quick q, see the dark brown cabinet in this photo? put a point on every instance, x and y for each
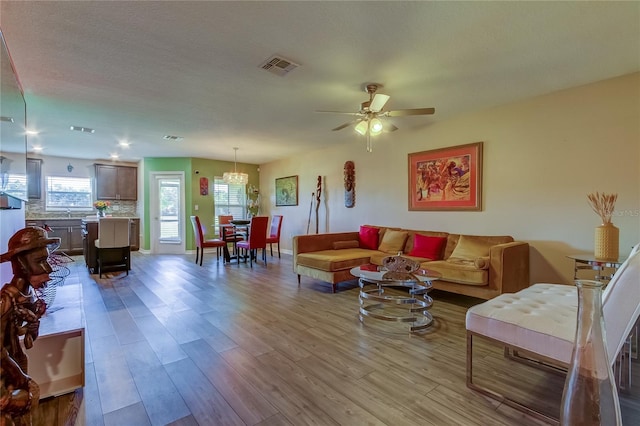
(89, 235)
(68, 230)
(34, 178)
(116, 182)
(134, 234)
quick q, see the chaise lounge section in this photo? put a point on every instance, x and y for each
(472, 265)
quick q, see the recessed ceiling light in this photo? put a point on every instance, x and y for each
(82, 129)
(38, 148)
(124, 143)
(32, 132)
(114, 156)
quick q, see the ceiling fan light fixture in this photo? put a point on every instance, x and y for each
(362, 127)
(375, 127)
(235, 178)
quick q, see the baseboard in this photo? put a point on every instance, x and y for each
(213, 250)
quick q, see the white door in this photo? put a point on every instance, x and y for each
(167, 213)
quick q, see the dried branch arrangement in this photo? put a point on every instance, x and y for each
(603, 204)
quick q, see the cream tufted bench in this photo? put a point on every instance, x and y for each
(540, 322)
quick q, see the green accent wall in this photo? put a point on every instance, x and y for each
(206, 168)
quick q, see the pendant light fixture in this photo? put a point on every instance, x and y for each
(234, 177)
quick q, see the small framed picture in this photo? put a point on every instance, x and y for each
(287, 191)
(446, 178)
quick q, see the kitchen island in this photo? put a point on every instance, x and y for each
(90, 234)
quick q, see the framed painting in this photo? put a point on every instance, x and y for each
(287, 191)
(446, 178)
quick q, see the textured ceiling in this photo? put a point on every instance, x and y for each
(141, 70)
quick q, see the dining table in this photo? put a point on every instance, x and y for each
(231, 232)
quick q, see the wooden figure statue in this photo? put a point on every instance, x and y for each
(318, 192)
(21, 311)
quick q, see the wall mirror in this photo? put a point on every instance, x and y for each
(13, 115)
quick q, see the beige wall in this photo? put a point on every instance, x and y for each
(542, 156)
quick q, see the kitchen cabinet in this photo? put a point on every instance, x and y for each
(68, 230)
(116, 182)
(34, 178)
(89, 235)
(134, 234)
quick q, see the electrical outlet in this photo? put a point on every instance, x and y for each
(115, 208)
(196, 207)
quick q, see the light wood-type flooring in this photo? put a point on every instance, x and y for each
(174, 343)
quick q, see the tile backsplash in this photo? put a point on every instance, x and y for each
(35, 209)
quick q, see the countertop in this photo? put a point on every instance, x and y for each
(87, 218)
(95, 218)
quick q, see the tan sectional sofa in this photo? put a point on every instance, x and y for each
(481, 266)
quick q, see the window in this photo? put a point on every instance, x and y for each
(15, 185)
(228, 199)
(67, 193)
(169, 191)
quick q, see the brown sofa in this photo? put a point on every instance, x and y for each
(504, 268)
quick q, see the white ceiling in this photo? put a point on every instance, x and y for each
(141, 70)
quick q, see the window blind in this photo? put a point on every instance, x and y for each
(228, 199)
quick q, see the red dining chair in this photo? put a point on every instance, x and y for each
(228, 231)
(201, 243)
(257, 240)
(274, 234)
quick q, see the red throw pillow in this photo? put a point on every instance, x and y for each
(429, 247)
(368, 237)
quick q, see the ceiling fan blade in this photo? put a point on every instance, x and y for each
(389, 127)
(414, 111)
(342, 126)
(342, 112)
(378, 102)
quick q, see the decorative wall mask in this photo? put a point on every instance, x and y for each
(349, 184)
(204, 186)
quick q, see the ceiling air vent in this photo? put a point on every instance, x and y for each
(172, 138)
(7, 119)
(82, 129)
(279, 65)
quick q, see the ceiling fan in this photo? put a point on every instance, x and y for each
(368, 121)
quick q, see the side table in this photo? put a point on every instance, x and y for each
(604, 268)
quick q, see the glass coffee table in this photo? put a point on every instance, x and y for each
(410, 307)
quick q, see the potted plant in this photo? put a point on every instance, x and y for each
(253, 201)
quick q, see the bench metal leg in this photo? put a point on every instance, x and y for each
(497, 395)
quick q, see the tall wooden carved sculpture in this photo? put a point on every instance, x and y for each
(318, 192)
(349, 184)
(28, 250)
